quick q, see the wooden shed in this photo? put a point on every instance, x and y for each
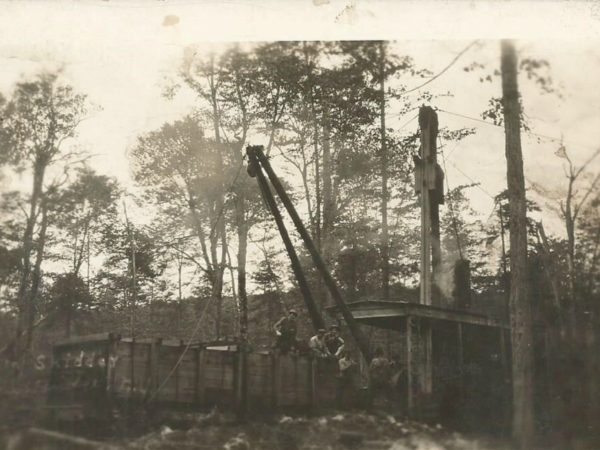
(455, 362)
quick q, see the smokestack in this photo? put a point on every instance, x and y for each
(462, 284)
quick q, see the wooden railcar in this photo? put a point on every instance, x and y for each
(92, 374)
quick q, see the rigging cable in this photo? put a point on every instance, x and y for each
(531, 133)
(439, 74)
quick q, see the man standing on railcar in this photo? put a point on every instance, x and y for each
(317, 345)
(285, 331)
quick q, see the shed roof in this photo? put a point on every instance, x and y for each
(387, 314)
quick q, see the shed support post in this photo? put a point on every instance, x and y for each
(426, 335)
(200, 390)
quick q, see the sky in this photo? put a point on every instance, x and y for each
(122, 54)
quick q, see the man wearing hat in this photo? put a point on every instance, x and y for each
(285, 330)
(333, 341)
(317, 345)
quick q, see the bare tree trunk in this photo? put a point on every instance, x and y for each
(179, 291)
(505, 274)
(234, 295)
(217, 282)
(23, 307)
(133, 305)
(328, 204)
(242, 228)
(570, 226)
(80, 250)
(520, 308)
(317, 191)
(219, 225)
(327, 246)
(36, 276)
(315, 136)
(385, 262)
(550, 274)
(555, 335)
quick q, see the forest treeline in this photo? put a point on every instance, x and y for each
(73, 261)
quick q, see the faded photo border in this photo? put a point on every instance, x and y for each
(267, 20)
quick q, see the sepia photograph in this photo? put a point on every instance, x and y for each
(314, 224)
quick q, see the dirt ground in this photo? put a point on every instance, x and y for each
(357, 430)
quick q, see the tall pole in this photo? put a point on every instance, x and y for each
(256, 170)
(430, 231)
(356, 332)
(520, 308)
(431, 197)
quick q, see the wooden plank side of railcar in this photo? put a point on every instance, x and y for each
(286, 395)
(260, 381)
(167, 357)
(219, 387)
(294, 382)
(121, 373)
(325, 382)
(142, 369)
(303, 383)
(78, 377)
(130, 374)
(200, 377)
(186, 376)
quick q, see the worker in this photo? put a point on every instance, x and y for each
(379, 375)
(317, 345)
(333, 341)
(397, 380)
(346, 379)
(286, 330)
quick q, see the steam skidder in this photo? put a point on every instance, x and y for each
(453, 359)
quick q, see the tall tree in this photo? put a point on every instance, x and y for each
(385, 250)
(581, 184)
(69, 294)
(39, 117)
(520, 308)
(234, 92)
(182, 170)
